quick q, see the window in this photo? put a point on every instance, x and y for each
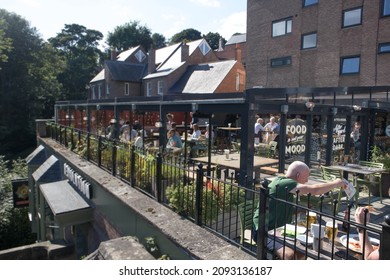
(140, 56)
(99, 91)
(309, 2)
(281, 61)
(384, 48)
(385, 8)
(309, 41)
(148, 89)
(108, 89)
(204, 47)
(281, 27)
(352, 17)
(160, 88)
(350, 65)
(127, 89)
(93, 92)
(238, 81)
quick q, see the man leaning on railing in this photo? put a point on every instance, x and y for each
(284, 187)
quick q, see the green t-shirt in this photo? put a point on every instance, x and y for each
(280, 213)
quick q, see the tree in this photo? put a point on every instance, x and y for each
(186, 35)
(28, 84)
(158, 40)
(213, 40)
(130, 35)
(5, 43)
(79, 48)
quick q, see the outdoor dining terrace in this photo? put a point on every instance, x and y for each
(213, 198)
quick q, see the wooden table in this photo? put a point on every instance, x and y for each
(234, 161)
(356, 169)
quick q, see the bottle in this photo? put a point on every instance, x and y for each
(345, 224)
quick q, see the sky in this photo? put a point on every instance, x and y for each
(166, 17)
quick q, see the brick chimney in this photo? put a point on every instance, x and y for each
(238, 53)
(185, 52)
(220, 44)
(113, 53)
(151, 60)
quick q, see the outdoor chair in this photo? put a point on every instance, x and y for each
(245, 212)
(371, 181)
(330, 174)
(273, 148)
(236, 147)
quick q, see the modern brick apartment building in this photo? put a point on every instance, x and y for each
(318, 43)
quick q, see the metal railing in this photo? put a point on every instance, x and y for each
(212, 201)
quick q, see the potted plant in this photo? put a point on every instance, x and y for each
(379, 156)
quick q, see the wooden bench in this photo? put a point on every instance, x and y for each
(269, 170)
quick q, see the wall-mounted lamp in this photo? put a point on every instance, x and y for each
(133, 107)
(194, 107)
(158, 124)
(284, 109)
(310, 105)
(357, 108)
(333, 110)
(98, 107)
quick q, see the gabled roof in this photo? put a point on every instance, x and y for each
(126, 54)
(125, 71)
(203, 78)
(169, 58)
(98, 77)
(236, 39)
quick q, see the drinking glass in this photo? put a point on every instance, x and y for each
(331, 230)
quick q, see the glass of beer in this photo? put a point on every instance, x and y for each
(331, 230)
(311, 219)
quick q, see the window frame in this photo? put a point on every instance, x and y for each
(308, 5)
(343, 25)
(285, 20)
(149, 89)
(127, 89)
(343, 59)
(160, 87)
(302, 41)
(385, 44)
(284, 60)
(383, 8)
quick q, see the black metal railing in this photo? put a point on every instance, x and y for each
(216, 201)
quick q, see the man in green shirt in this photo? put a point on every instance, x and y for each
(284, 187)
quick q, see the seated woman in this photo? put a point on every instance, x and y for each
(196, 133)
(174, 142)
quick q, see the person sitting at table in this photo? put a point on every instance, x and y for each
(280, 213)
(174, 142)
(169, 121)
(138, 143)
(259, 128)
(272, 125)
(196, 133)
(369, 252)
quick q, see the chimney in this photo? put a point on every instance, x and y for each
(220, 45)
(113, 54)
(151, 60)
(185, 52)
(238, 53)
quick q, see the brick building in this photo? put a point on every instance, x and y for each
(317, 43)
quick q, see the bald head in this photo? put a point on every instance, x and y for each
(298, 171)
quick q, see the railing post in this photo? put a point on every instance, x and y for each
(384, 249)
(198, 195)
(132, 166)
(99, 152)
(88, 146)
(71, 139)
(65, 137)
(261, 252)
(113, 158)
(159, 177)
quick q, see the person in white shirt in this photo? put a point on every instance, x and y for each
(138, 143)
(272, 125)
(259, 128)
(196, 133)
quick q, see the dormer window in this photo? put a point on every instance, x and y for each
(140, 56)
(204, 47)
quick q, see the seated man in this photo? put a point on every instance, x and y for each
(281, 213)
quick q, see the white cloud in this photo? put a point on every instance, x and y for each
(32, 3)
(235, 23)
(208, 3)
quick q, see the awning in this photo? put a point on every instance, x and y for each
(67, 205)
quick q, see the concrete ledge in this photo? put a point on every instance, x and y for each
(196, 241)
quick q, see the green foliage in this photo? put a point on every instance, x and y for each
(130, 35)
(5, 43)
(213, 40)
(153, 248)
(159, 40)
(187, 35)
(79, 49)
(377, 155)
(14, 224)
